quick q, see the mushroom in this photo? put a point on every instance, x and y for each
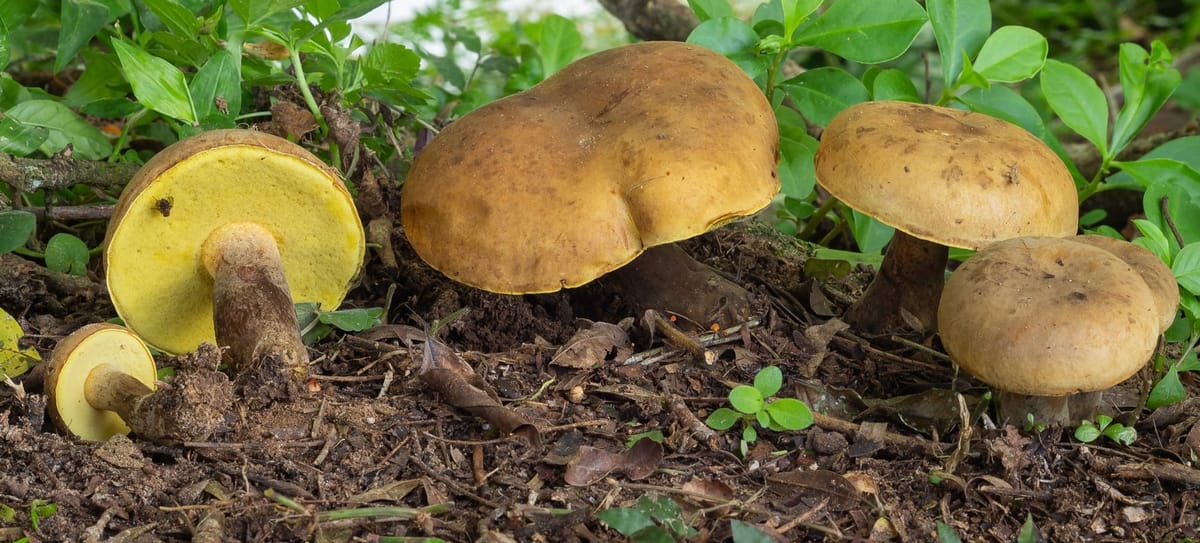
(1153, 270)
(1041, 319)
(943, 178)
(252, 222)
(97, 379)
(631, 148)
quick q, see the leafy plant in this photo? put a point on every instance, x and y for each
(315, 323)
(652, 520)
(753, 405)
(1089, 431)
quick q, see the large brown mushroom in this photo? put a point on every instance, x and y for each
(943, 178)
(1043, 319)
(218, 234)
(625, 150)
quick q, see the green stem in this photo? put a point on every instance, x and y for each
(772, 72)
(816, 218)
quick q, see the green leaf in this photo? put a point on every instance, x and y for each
(1029, 533)
(1147, 81)
(1011, 54)
(347, 10)
(352, 320)
(216, 88)
(1185, 150)
(768, 381)
(734, 39)
(822, 93)
(15, 228)
(790, 413)
(559, 43)
(1087, 432)
(177, 18)
(866, 32)
(1168, 390)
(797, 150)
(796, 12)
(746, 399)
(1189, 362)
(63, 127)
(870, 234)
(722, 419)
(156, 83)
(67, 254)
(1078, 101)
(1153, 239)
(946, 533)
(1120, 433)
(745, 533)
(101, 79)
(253, 12)
(960, 28)
(749, 434)
(893, 84)
(1004, 103)
(625, 520)
(81, 20)
(390, 64)
(14, 360)
(1186, 267)
(21, 139)
(710, 9)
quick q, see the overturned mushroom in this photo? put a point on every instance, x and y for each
(253, 223)
(943, 178)
(1042, 319)
(619, 154)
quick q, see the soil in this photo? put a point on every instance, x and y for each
(373, 453)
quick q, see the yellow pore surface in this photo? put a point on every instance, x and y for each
(155, 273)
(75, 358)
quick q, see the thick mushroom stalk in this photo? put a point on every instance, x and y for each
(102, 382)
(253, 312)
(1045, 319)
(655, 280)
(943, 177)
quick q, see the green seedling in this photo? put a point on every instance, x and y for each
(315, 324)
(753, 405)
(652, 520)
(653, 435)
(1089, 431)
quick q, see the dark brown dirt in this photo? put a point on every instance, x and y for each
(371, 434)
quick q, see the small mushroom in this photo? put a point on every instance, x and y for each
(627, 149)
(943, 178)
(97, 379)
(1153, 270)
(256, 223)
(1042, 319)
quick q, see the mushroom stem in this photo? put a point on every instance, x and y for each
(109, 388)
(1014, 408)
(253, 314)
(665, 278)
(910, 279)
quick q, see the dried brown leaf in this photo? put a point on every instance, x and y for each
(597, 343)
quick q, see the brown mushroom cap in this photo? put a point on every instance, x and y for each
(637, 146)
(79, 362)
(1154, 271)
(948, 176)
(153, 253)
(1048, 317)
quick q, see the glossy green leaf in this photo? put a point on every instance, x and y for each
(1168, 390)
(734, 39)
(625, 520)
(746, 399)
(178, 19)
(1153, 239)
(15, 228)
(822, 93)
(722, 419)
(790, 413)
(1186, 267)
(960, 28)
(63, 127)
(1078, 101)
(101, 79)
(559, 43)
(157, 84)
(711, 9)
(893, 84)
(796, 12)
(21, 139)
(1004, 103)
(1147, 81)
(747, 533)
(1011, 54)
(216, 88)
(797, 150)
(13, 14)
(866, 32)
(67, 254)
(946, 533)
(870, 234)
(352, 320)
(81, 20)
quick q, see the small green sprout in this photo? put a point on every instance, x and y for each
(753, 404)
(651, 520)
(315, 323)
(1089, 431)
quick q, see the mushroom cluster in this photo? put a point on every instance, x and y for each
(627, 149)
(1044, 319)
(943, 178)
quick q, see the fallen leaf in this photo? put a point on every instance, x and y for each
(809, 487)
(461, 387)
(599, 342)
(593, 464)
(391, 492)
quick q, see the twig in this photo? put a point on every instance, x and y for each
(454, 485)
(889, 438)
(728, 335)
(60, 172)
(1166, 213)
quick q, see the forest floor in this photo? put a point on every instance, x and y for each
(902, 440)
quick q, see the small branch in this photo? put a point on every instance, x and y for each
(33, 174)
(1163, 206)
(654, 20)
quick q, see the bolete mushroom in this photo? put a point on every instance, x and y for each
(1153, 270)
(943, 178)
(216, 236)
(631, 148)
(1041, 319)
(97, 378)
